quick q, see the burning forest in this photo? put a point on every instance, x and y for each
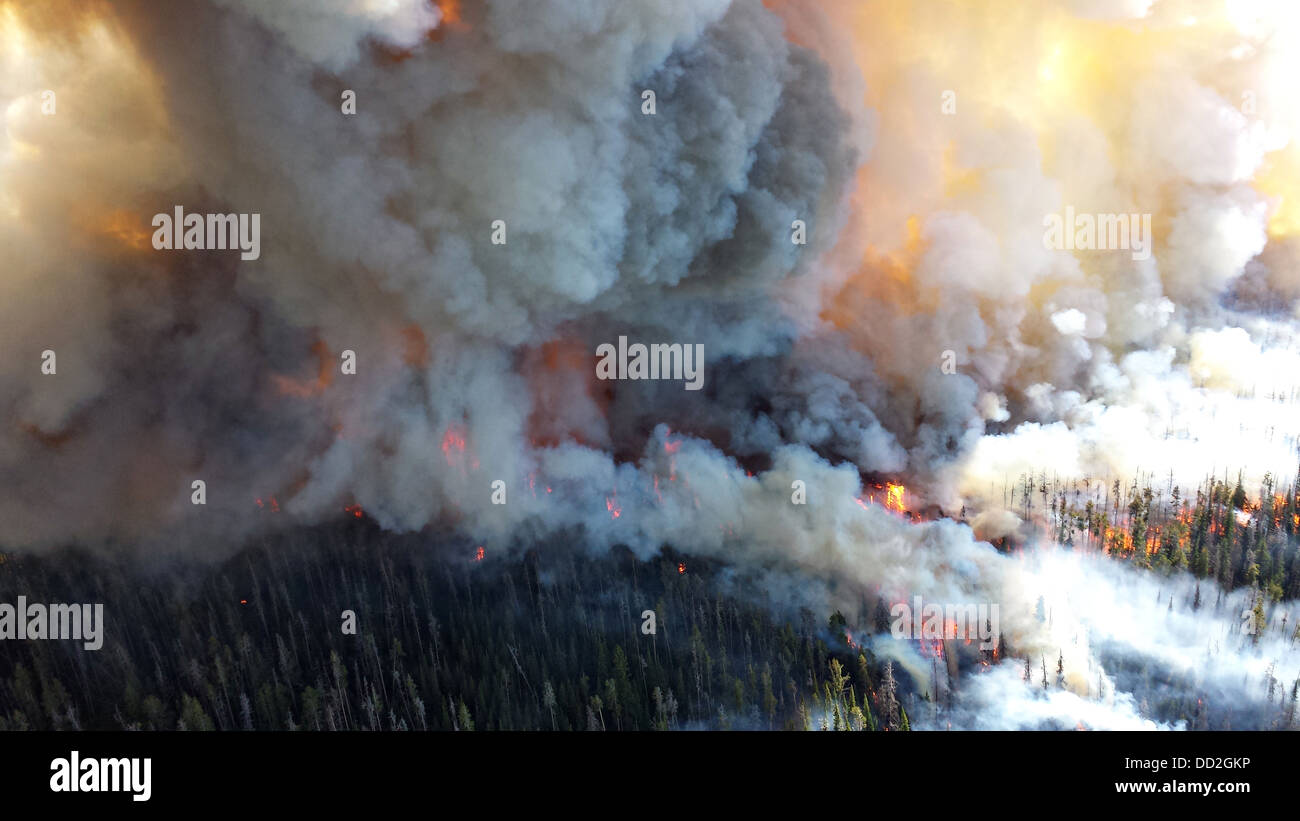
(641, 364)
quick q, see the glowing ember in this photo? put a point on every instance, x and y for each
(681, 567)
(453, 441)
(671, 449)
(478, 554)
(455, 448)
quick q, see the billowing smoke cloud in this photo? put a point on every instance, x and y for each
(377, 240)
(823, 361)
(1082, 363)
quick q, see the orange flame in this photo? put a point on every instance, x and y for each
(125, 228)
(894, 497)
(450, 11)
(455, 447)
(453, 441)
(307, 388)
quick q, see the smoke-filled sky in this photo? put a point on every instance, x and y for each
(923, 144)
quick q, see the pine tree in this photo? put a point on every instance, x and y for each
(463, 719)
(839, 681)
(769, 698)
(889, 698)
(548, 699)
(864, 674)
(1259, 621)
(193, 716)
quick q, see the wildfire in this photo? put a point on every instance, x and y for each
(355, 510)
(681, 567)
(894, 497)
(931, 648)
(124, 227)
(453, 441)
(611, 504)
(305, 388)
(479, 553)
(454, 448)
(670, 448)
(274, 505)
(451, 18)
(450, 11)
(532, 484)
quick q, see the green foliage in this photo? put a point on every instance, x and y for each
(548, 641)
(1221, 534)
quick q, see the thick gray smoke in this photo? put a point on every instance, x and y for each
(672, 227)
(475, 359)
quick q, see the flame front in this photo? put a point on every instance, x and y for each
(894, 497)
